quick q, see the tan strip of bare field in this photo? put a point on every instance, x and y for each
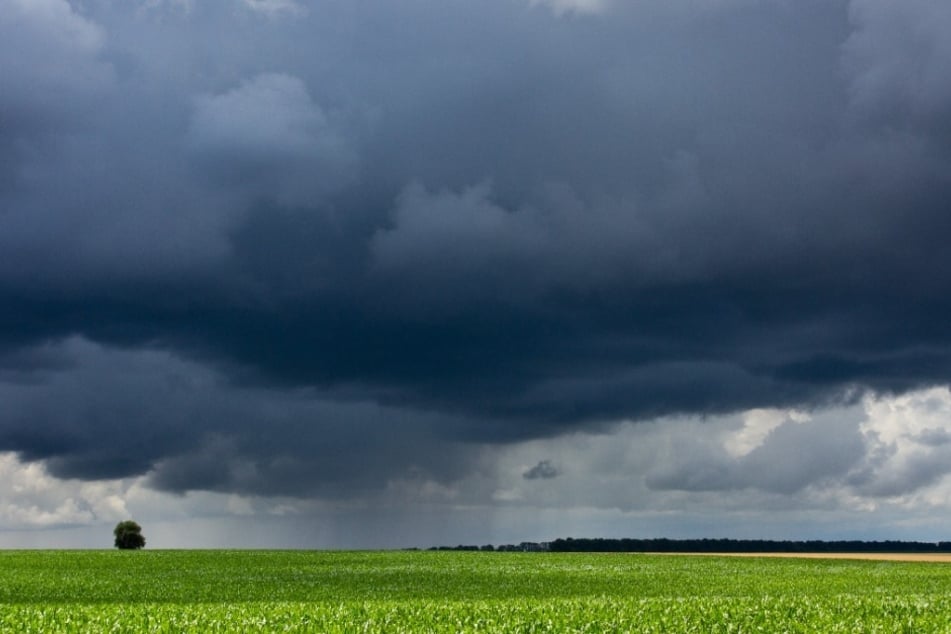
(926, 557)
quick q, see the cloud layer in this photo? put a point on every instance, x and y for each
(324, 249)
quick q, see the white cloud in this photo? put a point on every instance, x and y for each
(909, 449)
(34, 503)
(757, 424)
(31, 498)
(885, 455)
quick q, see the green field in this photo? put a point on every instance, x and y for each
(299, 591)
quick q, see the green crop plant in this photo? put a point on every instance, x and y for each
(336, 592)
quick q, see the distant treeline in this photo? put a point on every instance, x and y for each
(664, 545)
(524, 547)
(599, 545)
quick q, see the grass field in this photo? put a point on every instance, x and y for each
(296, 591)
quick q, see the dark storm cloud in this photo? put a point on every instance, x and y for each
(502, 220)
(544, 470)
(91, 412)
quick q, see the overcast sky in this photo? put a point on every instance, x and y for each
(372, 273)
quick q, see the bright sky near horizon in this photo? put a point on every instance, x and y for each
(371, 273)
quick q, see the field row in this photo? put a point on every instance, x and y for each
(295, 591)
(708, 615)
(52, 577)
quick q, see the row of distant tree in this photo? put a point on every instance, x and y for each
(524, 547)
(600, 545)
(663, 545)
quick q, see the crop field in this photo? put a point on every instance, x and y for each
(298, 591)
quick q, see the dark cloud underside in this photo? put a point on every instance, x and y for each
(493, 222)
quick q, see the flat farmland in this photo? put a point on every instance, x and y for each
(921, 557)
(307, 591)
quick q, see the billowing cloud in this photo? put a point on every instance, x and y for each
(31, 498)
(344, 251)
(792, 456)
(859, 458)
(50, 74)
(53, 41)
(268, 134)
(97, 413)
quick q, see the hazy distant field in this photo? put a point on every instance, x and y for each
(922, 557)
(265, 591)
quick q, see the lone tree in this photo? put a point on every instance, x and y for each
(128, 535)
